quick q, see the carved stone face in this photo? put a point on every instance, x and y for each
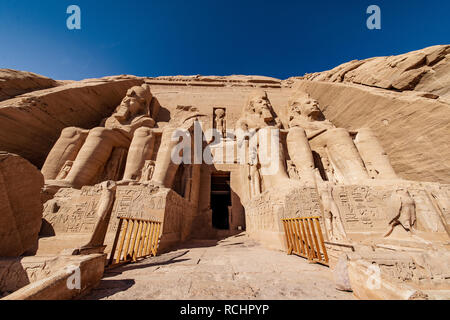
(260, 106)
(137, 100)
(307, 107)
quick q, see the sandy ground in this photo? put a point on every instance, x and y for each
(233, 268)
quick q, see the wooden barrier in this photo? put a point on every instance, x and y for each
(305, 239)
(136, 239)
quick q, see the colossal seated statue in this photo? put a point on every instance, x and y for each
(128, 128)
(259, 124)
(352, 161)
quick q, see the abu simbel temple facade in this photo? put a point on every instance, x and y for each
(348, 168)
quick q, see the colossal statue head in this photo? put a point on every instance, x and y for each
(136, 102)
(258, 112)
(259, 105)
(306, 106)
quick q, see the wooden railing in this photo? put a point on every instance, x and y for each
(305, 239)
(135, 239)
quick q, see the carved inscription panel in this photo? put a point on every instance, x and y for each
(74, 211)
(266, 211)
(363, 208)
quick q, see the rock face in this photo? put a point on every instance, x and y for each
(33, 122)
(14, 83)
(20, 206)
(426, 70)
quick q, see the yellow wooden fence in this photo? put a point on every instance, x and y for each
(135, 239)
(305, 239)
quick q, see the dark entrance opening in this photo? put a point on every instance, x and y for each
(220, 200)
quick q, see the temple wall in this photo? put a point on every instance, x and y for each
(205, 98)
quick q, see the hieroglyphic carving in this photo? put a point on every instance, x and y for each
(368, 208)
(363, 208)
(138, 202)
(76, 210)
(266, 211)
(422, 269)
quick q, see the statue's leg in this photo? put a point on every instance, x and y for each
(141, 149)
(373, 155)
(65, 149)
(344, 157)
(94, 154)
(301, 155)
(272, 159)
(165, 169)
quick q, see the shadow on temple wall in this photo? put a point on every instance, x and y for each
(163, 115)
(47, 230)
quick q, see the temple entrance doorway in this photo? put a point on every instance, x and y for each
(221, 200)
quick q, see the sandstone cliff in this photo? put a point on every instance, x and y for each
(20, 206)
(426, 70)
(14, 83)
(31, 123)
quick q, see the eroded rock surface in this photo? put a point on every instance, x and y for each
(426, 70)
(14, 83)
(20, 206)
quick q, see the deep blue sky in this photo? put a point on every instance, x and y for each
(211, 37)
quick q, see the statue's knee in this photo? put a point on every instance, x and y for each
(98, 132)
(340, 132)
(70, 132)
(299, 130)
(143, 132)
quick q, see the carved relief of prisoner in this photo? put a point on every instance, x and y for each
(105, 206)
(333, 222)
(403, 212)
